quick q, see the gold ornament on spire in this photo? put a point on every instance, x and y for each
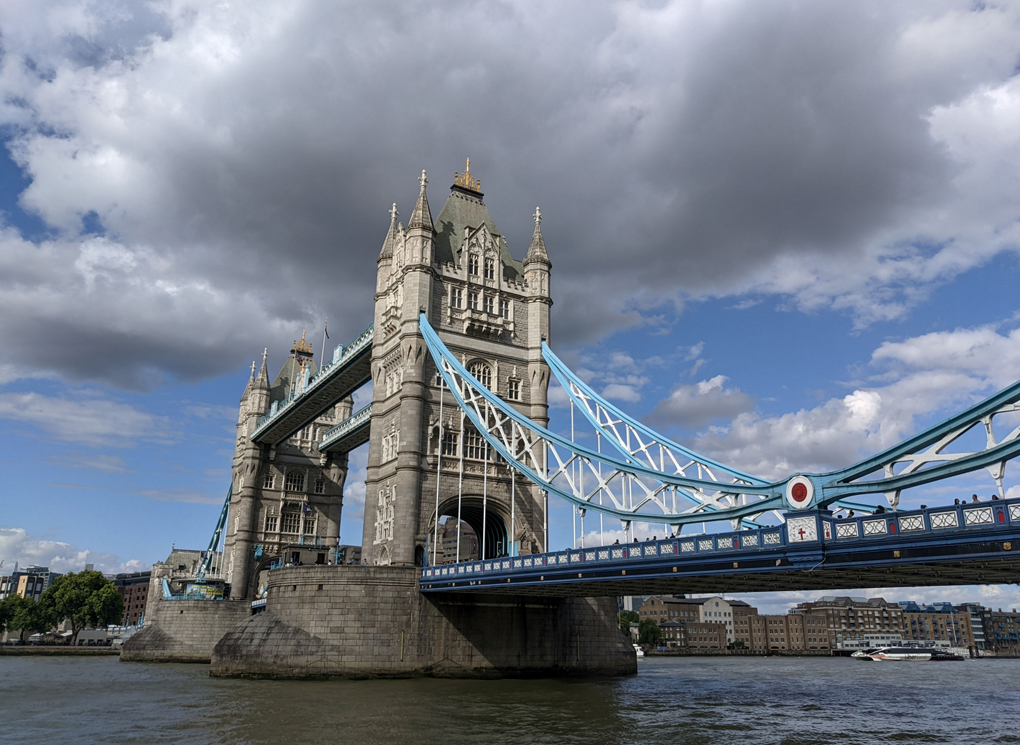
(302, 346)
(466, 180)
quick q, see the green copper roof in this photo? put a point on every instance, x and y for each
(466, 209)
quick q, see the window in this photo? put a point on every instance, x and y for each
(320, 486)
(513, 390)
(309, 526)
(456, 297)
(290, 519)
(482, 373)
(489, 304)
(271, 523)
(473, 300)
(269, 480)
(504, 308)
(490, 269)
(474, 446)
(449, 443)
(295, 480)
(390, 445)
(473, 265)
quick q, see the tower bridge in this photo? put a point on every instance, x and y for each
(460, 359)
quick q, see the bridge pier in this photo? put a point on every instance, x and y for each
(366, 622)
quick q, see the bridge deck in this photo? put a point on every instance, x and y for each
(349, 369)
(349, 434)
(967, 544)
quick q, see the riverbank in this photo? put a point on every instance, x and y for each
(29, 650)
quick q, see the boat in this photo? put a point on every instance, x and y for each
(638, 651)
(906, 654)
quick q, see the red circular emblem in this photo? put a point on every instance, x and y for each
(799, 491)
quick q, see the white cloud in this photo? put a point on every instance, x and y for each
(88, 421)
(18, 545)
(238, 184)
(692, 406)
(924, 375)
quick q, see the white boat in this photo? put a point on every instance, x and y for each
(638, 651)
(906, 654)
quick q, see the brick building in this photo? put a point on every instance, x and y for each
(133, 589)
(937, 622)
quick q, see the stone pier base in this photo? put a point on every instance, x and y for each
(362, 622)
(183, 630)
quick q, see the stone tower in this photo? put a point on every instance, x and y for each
(283, 496)
(492, 311)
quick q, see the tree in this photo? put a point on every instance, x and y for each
(649, 632)
(626, 619)
(7, 608)
(28, 616)
(84, 599)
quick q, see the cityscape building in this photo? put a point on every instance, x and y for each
(29, 582)
(133, 588)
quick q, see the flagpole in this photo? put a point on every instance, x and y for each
(322, 352)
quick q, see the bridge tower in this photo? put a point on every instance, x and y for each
(493, 311)
(285, 495)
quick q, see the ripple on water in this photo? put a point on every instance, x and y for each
(689, 701)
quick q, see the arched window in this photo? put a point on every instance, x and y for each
(295, 480)
(473, 265)
(481, 372)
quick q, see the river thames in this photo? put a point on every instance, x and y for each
(793, 701)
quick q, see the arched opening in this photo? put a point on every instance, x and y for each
(472, 510)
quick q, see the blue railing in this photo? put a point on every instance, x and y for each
(818, 527)
(341, 355)
(347, 425)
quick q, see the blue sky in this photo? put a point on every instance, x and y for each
(784, 234)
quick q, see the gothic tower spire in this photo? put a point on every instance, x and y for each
(422, 216)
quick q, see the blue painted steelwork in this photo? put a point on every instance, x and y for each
(342, 357)
(639, 443)
(203, 567)
(807, 542)
(350, 433)
(559, 466)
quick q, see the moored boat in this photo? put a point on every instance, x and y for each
(906, 654)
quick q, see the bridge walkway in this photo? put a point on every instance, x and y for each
(953, 545)
(349, 369)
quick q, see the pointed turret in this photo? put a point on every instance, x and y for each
(422, 216)
(536, 251)
(251, 381)
(262, 379)
(391, 235)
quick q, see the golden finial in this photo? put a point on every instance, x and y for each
(302, 346)
(466, 180)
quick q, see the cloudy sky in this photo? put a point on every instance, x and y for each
(786, 233)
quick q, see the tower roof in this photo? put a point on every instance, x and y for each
(302, 346)
(391, 235)
(465, 208)
(536, 251)
(422, 216)
(262, 379)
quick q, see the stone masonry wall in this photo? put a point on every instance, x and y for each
(182, 630)
(361, 621)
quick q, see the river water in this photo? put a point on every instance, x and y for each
(697, 700)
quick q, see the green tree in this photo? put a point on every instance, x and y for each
(626, 619)
(7, 608)
(29, 616)
(86, 599)
(649, 632)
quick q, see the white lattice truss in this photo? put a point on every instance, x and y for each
(640, 445)
(630, 491)
(913, 463)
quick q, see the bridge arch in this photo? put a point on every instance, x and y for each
(488, 516)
